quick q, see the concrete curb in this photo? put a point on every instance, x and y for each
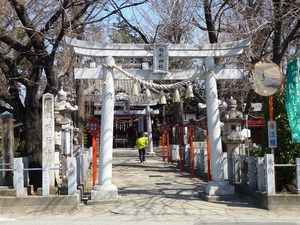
(39, 203)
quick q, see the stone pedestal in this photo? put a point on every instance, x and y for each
(104, 192)
(221, 188)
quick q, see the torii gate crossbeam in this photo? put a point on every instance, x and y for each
(105, 189)
(95, 49)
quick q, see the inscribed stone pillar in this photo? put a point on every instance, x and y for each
(260, 171)
(270, 174)
(72, 182)
(48, 136)
(251, 172)
(7, 147)
(18, 177)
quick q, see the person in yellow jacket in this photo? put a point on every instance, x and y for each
(141, 144)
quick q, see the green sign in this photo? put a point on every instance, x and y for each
(292, 99)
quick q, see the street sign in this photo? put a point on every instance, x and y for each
(272, 134)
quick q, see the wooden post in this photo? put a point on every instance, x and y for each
(95, 132)
(94, 162)
(192, 154)
(168, 145)
(163, 129)
(163, 145)
(271, 112)
(180, 152)
(191, 129)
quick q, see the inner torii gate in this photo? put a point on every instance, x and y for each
(160, 53)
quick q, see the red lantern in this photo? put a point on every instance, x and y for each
(163, 128)
(168, 127)
(192, 126)
(180, 128)
(94, 126)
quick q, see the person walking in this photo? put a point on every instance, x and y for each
(141, 144)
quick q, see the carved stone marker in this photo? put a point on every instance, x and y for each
(48, 141)
(270, 174)
(7, 147)
(72, 183)
(18, 177)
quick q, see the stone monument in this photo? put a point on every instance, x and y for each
(7, 147)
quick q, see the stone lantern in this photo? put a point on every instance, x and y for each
(232, 136)
(64, 132)
(233, 124)
(63, 123)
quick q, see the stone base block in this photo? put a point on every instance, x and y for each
(104, 192)
(52, 191)
(150, 153)
(213, 188)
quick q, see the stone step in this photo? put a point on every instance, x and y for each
(10, 191)
(86, 197)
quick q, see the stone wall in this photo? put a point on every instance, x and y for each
(286, 202)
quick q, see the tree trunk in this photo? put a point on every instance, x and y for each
(33, 141)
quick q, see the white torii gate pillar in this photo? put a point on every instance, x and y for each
(105, 189)
(149, 130)
(218, 186)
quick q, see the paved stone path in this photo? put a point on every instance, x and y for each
(159, 188)
(155, 193)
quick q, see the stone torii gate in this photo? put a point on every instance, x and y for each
(160, 53)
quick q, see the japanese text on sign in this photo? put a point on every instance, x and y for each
(272, 134)
(161, 58)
